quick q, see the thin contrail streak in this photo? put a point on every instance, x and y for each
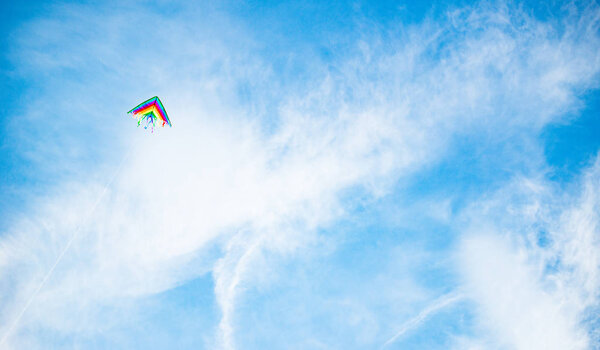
(416, 321)
(65, 249)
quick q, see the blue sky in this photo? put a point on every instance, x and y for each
(360, 175)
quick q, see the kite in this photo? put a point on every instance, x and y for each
(151, 111)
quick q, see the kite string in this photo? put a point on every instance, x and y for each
(65, 249)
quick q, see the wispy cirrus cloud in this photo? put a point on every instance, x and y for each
(534, 272)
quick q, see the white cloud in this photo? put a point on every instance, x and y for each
(514, 306)
(534, 294)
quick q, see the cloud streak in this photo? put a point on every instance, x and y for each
(437, 305)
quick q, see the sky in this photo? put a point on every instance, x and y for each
(343, 175)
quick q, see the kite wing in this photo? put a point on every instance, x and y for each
(152, 112)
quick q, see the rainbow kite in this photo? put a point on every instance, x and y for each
(150, 111)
